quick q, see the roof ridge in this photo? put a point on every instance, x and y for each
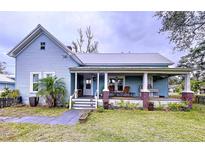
(122, 53)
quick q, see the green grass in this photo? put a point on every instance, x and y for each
(31, 111)
(117, 125)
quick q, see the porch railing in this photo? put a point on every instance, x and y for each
(70, 101)
(96, 99)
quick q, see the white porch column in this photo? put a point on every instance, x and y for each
(105, 82)
(98, 76)
(145, 83)
(187, 85)
(76, 83)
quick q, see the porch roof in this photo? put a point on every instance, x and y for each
(157, 70)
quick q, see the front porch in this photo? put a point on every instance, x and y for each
(135, 85)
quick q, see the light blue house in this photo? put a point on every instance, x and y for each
(88, 76)
(6, 82)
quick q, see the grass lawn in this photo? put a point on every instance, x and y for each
(31, 111)
(117, 125)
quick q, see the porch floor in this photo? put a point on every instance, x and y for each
(135, 98)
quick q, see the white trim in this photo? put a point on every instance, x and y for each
(45, 73)
(187, 91)
(31, 81)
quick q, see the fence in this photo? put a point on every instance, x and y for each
(200, 99)
(7, 102)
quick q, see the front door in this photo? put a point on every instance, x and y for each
(88, 85)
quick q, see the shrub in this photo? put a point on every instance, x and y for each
(127, 105)
(122, 104)
(14, 94)
(160, 107)
(183, 106)
(131, 106)
(100, 109)
(10, 93)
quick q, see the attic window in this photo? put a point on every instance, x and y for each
(43, 45)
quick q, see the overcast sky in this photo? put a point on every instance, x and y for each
(115, 31)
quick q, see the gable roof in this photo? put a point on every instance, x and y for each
(123, 59)
(35, 33)
(94, 59)
(5, 79)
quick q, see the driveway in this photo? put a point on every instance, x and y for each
(70, 117)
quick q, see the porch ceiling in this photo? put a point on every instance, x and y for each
(156, 70)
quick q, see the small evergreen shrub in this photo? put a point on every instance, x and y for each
(127, 105)
(100, 109)
(7, 93)
(183, 106)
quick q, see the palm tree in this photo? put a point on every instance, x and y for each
(53, 89)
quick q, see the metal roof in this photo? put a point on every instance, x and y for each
(5, 79)
(157, 70)
(123, 59)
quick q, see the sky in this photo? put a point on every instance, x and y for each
(135, 32)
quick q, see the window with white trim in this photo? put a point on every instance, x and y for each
(116, 83)
(34, 78)
(48, 74)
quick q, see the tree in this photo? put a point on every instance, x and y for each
(2, 67)
(53, 89)
(187, 31)
(92, 46)
(185, 28)
(196, 61)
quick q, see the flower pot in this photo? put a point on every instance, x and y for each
(151, 106)
(33, 101)
(106, 105)
(19, 100)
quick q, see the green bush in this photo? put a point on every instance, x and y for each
(100, 109)
(160, 107)
(122, 104)
(183, 106)
(127, 105)
(10, 93)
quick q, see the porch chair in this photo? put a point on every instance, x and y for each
(126, 91)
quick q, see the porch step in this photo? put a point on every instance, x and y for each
(83, 107)
(83, 100)
(83, 103)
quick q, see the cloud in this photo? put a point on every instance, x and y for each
(115, 31)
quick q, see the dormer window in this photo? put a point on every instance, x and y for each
(43, 45)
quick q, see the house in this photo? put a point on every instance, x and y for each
(94, 78)
(6, 82)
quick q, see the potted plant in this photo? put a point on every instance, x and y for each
(33, 101)
(151, 106)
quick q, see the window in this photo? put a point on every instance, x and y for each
(116, 83)
(48, 74)
(34, 78)
(88, 83)
(43, 45)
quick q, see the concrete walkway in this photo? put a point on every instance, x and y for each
(67, 118)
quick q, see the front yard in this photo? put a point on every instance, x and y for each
(31, 111)
(112, 125)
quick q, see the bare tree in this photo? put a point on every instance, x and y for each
(90, 47)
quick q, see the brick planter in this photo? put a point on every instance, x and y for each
(188, 96)
(106, 99)
(145, 98)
